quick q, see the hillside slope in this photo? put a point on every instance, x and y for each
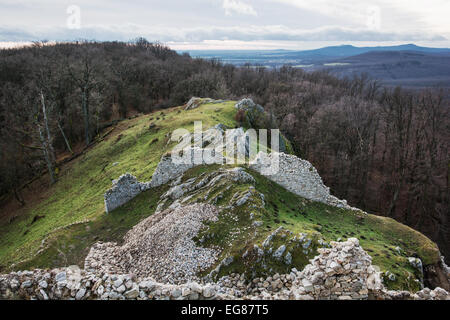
(255, 213)
(135, 146)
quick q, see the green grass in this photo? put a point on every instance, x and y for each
(234, 233)
(78, 195)
(378, 235)
(70, 245)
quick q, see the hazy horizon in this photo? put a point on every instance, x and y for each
(231, 24)
(228, 47)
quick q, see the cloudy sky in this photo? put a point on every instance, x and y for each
(230, 24)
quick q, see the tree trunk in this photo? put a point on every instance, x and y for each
(85, 107)
(18, 197)
(50, 150)
(47, 156)
(65, 138)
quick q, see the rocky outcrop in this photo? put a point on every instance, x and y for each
(168, 169)
(212, 180)
(255, 115)
(160, 247)
(196, 102)
(210, 189)
(296, 175)
(247, 104)
(123, 190)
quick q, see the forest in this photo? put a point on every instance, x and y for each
(384, 149)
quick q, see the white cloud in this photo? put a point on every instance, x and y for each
(399, 15)
(352, 11)
(221, 20)
(236, 6)
(195, 34)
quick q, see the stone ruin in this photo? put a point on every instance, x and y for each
(342, 272)
(123, 190)
(196, 102)
(296, 175)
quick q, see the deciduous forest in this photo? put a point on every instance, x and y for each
(384, 149)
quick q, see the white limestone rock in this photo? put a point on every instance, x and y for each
(296, 175)
(124, 189)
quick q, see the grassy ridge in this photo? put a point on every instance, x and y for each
(134, 146)
(379, 236)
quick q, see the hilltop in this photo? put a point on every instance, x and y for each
(206, 223)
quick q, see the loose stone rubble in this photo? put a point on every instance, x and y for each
(342, 272)
(160, 246)
(72, 283)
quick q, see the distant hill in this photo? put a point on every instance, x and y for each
(406, 65)
(406, 68)
(348, 50)
(242, 56)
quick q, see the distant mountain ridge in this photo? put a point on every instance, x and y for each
(326, 52)
(349, 50)
(413, 69)
(407, 65)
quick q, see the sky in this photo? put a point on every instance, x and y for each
(230, 24)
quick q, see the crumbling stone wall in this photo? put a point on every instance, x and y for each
(168, 169)
(123, 190)
(342, 272)
(196, 102)
(73, 283)
(296, 175)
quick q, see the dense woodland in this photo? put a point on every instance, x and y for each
(383, 149)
